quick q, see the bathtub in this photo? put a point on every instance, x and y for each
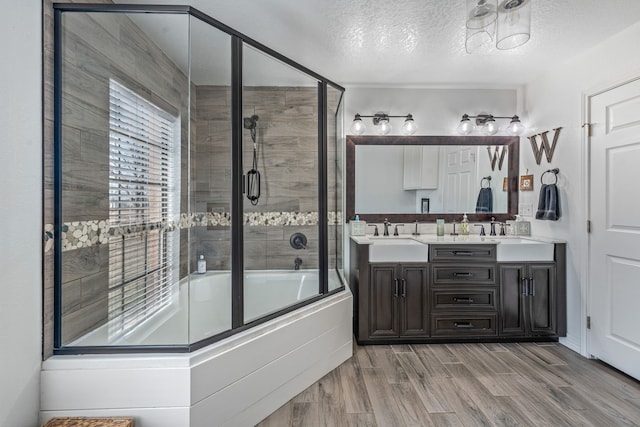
(236, 381)
(202, 306)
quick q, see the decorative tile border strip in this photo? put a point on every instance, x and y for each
(82, 234)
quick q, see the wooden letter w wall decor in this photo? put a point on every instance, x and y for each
(544, 146)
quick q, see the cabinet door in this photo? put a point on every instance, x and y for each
(512, 300)
(414, 319)
(383, 301)
(541, 304)
(412, 167)
(421, 167)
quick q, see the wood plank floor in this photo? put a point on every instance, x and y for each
(525, 384)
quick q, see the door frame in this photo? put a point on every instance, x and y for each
(585, 286)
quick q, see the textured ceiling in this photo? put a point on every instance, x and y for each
(415, 42)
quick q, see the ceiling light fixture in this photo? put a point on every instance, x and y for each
(488, 125)
(506, 21)
(381, 120)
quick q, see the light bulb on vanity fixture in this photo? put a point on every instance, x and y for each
(357, 126)
(409, 127)
(382, 123)
(486, 123)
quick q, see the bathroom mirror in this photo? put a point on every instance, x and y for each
(409, 178)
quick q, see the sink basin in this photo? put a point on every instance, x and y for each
(523, 250)
(392, 249)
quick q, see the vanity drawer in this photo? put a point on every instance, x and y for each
(464, 299)
(458, 252)
(448, 274)
(455, 326)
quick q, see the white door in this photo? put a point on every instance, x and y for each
(614, 247)
(459, 172)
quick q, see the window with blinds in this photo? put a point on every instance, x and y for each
(143, 202)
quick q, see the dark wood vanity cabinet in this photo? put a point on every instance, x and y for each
(398, 301)
(528, 303)
(463, 291)
(461, 295)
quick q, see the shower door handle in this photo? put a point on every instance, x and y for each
(244, 184)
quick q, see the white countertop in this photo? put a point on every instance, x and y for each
(448, 239)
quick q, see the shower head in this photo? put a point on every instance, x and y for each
(251, 122)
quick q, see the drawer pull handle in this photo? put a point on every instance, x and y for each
(466, 274)
(395, 292)
(463, 325)
(463, 300)
(404, 288)
(525, 286)
(462, 253)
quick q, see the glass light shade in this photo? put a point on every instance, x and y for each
(480, 25)
(465, 127)
(490, 127)
(357, 126)
(514, 23)
(384, 127)
(515, 127)
(409, 127)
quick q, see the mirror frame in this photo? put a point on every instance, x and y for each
(513, 167)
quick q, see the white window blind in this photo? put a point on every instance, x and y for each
(143, 260)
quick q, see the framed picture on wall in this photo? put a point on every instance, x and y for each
(425, 206)
(526, 183)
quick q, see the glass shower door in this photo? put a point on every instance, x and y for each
(281, 203)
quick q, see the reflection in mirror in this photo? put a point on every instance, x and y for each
(421, 178)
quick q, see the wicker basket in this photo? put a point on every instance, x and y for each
(90, 422)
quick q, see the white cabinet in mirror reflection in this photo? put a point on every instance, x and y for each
(421, 167)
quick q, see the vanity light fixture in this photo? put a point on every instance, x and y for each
(507, 22)
(381, 120)
(488, 125)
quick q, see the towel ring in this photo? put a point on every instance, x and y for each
(488, 179)
(555, 172)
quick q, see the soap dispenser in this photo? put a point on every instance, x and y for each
(202, 265)
(464, 225)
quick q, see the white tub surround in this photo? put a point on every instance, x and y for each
(202, 307)
(235, 382)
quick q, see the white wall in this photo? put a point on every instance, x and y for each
(20, 213)
(553, 100)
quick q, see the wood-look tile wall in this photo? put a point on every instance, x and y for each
(287, 140)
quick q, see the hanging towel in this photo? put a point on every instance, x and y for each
(549, 203)
(485, 201)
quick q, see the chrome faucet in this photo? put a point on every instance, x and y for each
(493, 226)
(502, 226)
(386, 227)
(415, 233)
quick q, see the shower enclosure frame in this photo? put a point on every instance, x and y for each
(237, 220)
